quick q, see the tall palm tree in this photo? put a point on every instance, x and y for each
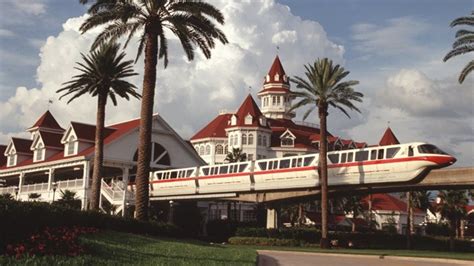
(102, 75)
(415, 199)
(453, 208)
(236, 156)
(192, 22)
(464, 43)
(324, 88)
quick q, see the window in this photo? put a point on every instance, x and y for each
(298, 162)
(219, 149)
(410, 151)
(350, 156)
(343, 157)
(380, 154)
(263, 165)
(316, 145)
(71, 145)
(259, 140)
(226, 149)
(11, 160)
(308, 160)
(208, 149)
(373, 154)
(391, 152)
(39, 153)
(268, 78)
(431, 149)
(248, 119)
(233, 120)
(277, 77)
(274, 100)
(264, 141)
(287, 142)
(361, 156)
(244, 139)
(285, 164)
(223, 169)
(249, 157)
(250, 139)
(201, 150)
(278, 100)
(334, 158)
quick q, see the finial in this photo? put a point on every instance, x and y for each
(277, 49)
(50, 102)
(388, 123)
(250, 89)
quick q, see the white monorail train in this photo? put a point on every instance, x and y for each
(380, 164)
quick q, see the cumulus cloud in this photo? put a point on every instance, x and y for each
(188, 94)
(398, 36)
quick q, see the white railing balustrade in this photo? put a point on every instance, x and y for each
(8, 190)
(114, 192)
(34, 188)
(70, 184)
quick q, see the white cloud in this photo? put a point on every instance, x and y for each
(188, 94)
(401, 36)
(31, 7)
(6, 33)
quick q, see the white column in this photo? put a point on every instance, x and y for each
(125, 173)
(50, 178)
(85, 184)
(272, 219)
(20, 183)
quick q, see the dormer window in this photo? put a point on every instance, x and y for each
(233, 120)
(284, 78)
(248, 119)
(71, 144)
(39, 153)
(277, 77)
(267, 78)
(287, 142)
(263, 121)
(11, 160)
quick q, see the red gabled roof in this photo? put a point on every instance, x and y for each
(302, 133)
(386, 202)
(51, 139)
(216, 128)
(87, 131)
(249, 107)
(3, 158)
(22, 145)
(388, 138)
(276, 68)
(360, 145)
(47, 120)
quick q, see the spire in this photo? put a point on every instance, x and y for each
(388, 138)
(48, 121)
(277, 73)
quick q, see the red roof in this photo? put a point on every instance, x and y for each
(277, 68)
(216, 128)
(386, 202)
(302, 133)
(469, 208)
(249, 107)
(119, 130)
(3, 158)
(22, 145)
(51, 139)
(47, 120)
(87, 131)
(388, 138)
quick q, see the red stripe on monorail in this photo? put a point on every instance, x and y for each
(396, 160)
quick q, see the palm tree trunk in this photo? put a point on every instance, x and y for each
(409, 220)
(146, 119)
(452, 233)
(323, 171)
(99, 152)
(353, 224)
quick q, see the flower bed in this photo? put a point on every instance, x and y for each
(51, 241)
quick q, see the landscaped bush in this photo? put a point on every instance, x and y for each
(434, 229)
(306, 234)
(262, 241)
(20, 220)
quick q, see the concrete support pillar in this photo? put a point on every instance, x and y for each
(272, 218)
(125, 174)
(85, 184)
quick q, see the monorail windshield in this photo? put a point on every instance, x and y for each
(431, 149)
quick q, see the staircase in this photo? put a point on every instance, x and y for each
(116, 194)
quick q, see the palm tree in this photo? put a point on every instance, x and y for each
(322, 89)
(353, 204)
(453, 208)
(236, 156)
(190, 21)
(102, 75)
(415, 199)
(463, 44)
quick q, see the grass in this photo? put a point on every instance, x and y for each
(113, 248)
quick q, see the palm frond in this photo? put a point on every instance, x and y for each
(460, 33)
(458, 51)
(466, 70)
(463, 21)
(464, 40)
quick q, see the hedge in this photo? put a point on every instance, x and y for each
(262, 241)
(374, 240)
(19, 220)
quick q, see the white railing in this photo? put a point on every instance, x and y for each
(113, 192)
(8, 190)
(34, 188)
(70, 184)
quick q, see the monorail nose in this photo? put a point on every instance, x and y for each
(453, 160)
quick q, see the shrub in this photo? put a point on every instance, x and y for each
(20, 220)
(435, 229)
(306, 234)
(262, 241)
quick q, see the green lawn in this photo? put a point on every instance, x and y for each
(112, 248)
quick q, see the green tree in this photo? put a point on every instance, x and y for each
(324, 88)
(415, 199)
(34, 196)
(463, 44)
(7, 196)
(236, 156)
(453, 208)
(102, 75)
(192, 22)
(353, 205)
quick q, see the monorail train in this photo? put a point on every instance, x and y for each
(380, 164)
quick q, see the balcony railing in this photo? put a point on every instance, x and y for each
(70, 184)
(40, 187)
(8, 190)
(113, 192)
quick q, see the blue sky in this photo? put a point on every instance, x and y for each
(394, 48)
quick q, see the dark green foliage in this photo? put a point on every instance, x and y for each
(20, 220)
(236, 156)
(309, 235)
(68, 199)
(222, 230)
(262, 241)
(433, 229)
(7, 196)
(188, 217)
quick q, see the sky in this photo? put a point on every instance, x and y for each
(394, 48)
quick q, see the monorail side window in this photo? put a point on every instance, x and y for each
(205, 171)
(189, 173)
(410, 151)
(174, 174)
(297, 162)
(308, 160)
(271, 165)
(428, 148)
(334, 158)
(263, 165)
(380, 154)
(373, 154)
(362, 156)
(159, 176)
(242, 167)
(391, 152)
(350, 157)
(223, 169)
(343, 157)
(285, 164)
